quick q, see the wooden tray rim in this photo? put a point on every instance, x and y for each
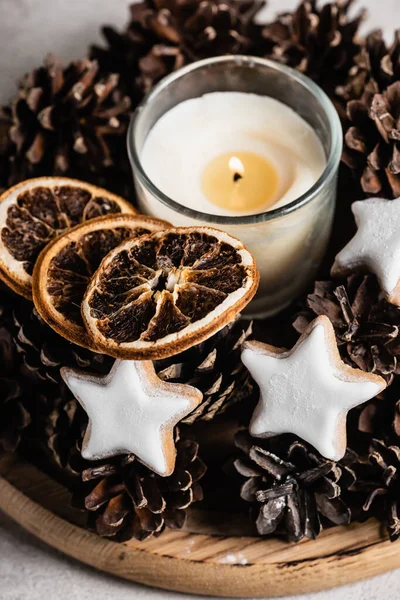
(339, 556)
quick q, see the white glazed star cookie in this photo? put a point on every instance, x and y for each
(375, 246)
(131, 410)
(307, 390)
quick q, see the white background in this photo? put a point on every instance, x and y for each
(29, 29)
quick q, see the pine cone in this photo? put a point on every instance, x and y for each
(14, 416)
(366, 325)
(31, 390)
(67, 121)
(43, 352)
(379, 418)
(378, 484)
(371, 141)
(125, 499)
(53, 441)
(294, 491)
(215, 368)
(164, 35)
(32, 375)
(375, 67)
(319, 40)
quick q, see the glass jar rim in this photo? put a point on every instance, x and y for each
(329, 171)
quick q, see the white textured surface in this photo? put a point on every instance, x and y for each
(29, 570)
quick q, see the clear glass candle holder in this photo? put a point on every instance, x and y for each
(288, 242)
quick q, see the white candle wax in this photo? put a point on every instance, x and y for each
(191, 134)
(184, 141)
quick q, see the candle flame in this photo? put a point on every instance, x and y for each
(236, 165)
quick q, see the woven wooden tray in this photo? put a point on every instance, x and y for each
(203, 559)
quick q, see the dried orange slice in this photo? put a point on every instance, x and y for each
(32, 213)
(66, 265)
(162, 293)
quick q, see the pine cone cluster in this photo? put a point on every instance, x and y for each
(366, 325)
(320, 40)
(124, 499)
(164, 35)
(72, 120)
(294, 491)
(68, 121)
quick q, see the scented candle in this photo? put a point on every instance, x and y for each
(248, 146)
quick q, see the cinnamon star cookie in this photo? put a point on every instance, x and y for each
(308, 390)
(131, 410)
(376, 245)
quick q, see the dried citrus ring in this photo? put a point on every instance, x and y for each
(65, 266)
(164, 292)
(32, 213)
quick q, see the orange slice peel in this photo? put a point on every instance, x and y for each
(35, 211)
(167, 291)
(65, 266)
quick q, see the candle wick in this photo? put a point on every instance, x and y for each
(237, 177)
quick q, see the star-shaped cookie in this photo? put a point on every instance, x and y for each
(375, 246)
(131, 410)
(307, 390)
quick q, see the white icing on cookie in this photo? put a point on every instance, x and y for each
(132, 411)
(376, 245)
(307, 390)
